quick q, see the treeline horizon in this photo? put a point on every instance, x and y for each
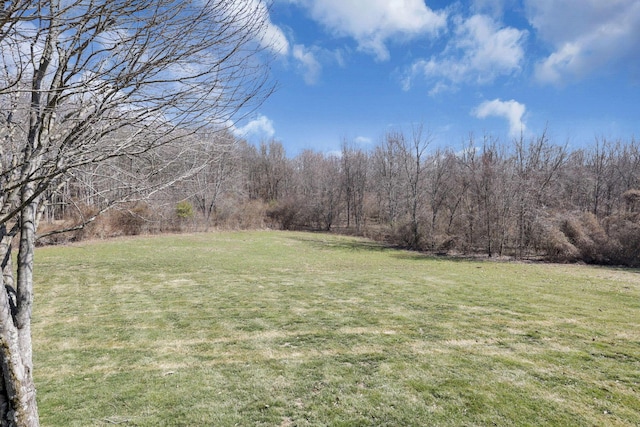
(528, 198)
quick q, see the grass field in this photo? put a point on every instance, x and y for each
(294, 329)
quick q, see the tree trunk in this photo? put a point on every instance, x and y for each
(17, 390)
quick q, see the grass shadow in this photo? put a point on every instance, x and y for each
(408, 254)
(325, 240)
(335, 242)
(331, 241)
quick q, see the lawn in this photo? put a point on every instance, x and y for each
(300, 329)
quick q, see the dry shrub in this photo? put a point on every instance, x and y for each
(377, 232)
(237, 215)
(284, 214)
(587, 235)
(631, 199)
(446, 243)
(625, 232)
(553, 242)
(131, 220)
(402, 235)
(47, 227)
(75, 218)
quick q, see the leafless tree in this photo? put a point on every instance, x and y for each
(412, 157)
(318, 188)
(355, 165)
(537, 166)
(386, 178)
(628, 165)
(440, 171)
(267, 170)
(88, 83)
(215, 153)
(601, 165)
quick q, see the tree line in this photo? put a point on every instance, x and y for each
(528, 198)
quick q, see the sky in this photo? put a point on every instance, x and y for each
(353, 70)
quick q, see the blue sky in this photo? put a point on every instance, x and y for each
(354, 69)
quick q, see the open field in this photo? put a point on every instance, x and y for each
(294, 329)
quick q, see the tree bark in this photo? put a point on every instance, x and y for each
(18, 405)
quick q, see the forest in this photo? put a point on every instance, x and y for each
(529, 198)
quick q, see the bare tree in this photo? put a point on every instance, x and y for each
(386, 179)
(412, 158)
(485, 180)
(355, 164)
(318, 188)
(601, 164)
(84, 83)
(628, 165)
(441, 187)
(274, 171)
(537, 166)
(215, 153)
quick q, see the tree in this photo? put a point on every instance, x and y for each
(87, 84)
(441, 187)
(355, 164)
(412, 156)
(274, 170)
(601, 165)
(484, 178)
(536, 168)
(318, 188)
(208, 184)
(386, 178)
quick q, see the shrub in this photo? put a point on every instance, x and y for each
(131, 221)
(631, 199)
(553, 242)
(75, 216)
(184, 210)
(585, 233)
(284, 214)
(625, 232)
(237, 214)
(403, 235)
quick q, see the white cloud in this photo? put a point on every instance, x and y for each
(479, 51)
(275, 39)
(373, 22)
(363, 140)
(251, 10)
(511, 110)
(310, 65)
(261, 127)
(494, 8)
(586, 35)
(310, 61)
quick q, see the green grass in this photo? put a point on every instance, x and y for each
(294, 329)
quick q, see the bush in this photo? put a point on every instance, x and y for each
(625, 231)
(184, 210)
(131, 221)
(284, 214)
(75, 217)
(553, 242)
(238, 215)
(403, 235)
(631, 199)
(587, 235)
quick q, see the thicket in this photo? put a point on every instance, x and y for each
(526, 199)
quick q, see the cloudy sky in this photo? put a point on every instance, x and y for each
(354, 69)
